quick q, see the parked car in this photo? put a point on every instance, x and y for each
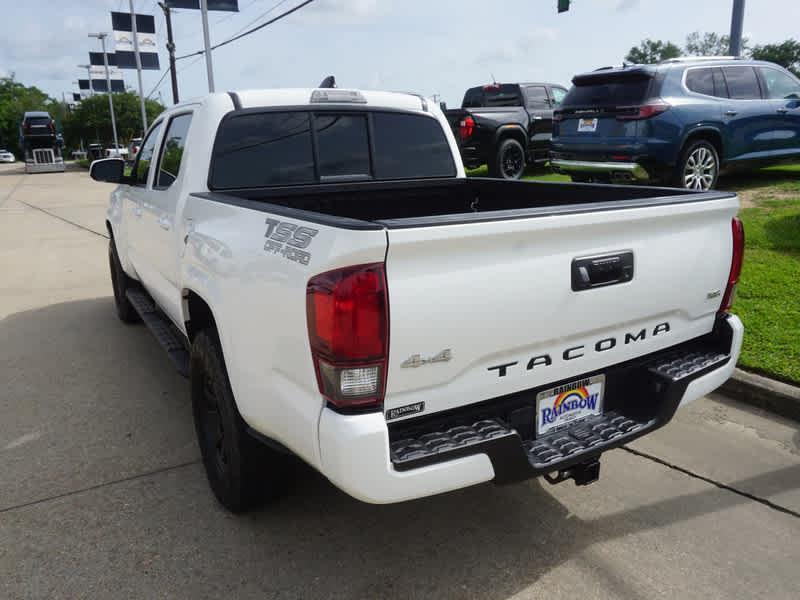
(334, 287)
(119, 152)
(95, 151)
(6, 156)
(506, 126)
(680, 122)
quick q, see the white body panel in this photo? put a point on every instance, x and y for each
(491, 292)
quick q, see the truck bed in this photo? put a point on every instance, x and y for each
(374, 205)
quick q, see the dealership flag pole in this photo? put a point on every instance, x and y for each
(102, 38)
(138, 67)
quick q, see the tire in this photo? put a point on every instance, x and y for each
(509, 161)
(120, 283)
(242, 472)
(698, 167)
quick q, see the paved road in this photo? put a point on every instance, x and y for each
(102, 494)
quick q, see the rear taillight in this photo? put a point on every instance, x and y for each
(737, 230)
(466, 127)
(348, 329)
(635, 113)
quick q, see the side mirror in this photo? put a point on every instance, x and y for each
(110, 170)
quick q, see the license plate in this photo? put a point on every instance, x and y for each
(565, 405)
(587, 125)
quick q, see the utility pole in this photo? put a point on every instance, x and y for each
(138, 66)
(737, 22)
(207, 42)
(102, 38)
(171, 50)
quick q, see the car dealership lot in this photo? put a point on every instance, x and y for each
(102, 493)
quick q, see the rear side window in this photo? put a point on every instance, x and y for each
(701, 81)
(537, 97)
(172, 150)
(720, 87)
(277, 148)
(473, 98)
(342, 145)
(263, 149)
(409, 147)
(502, 95)
(609, 92)
(742, 83)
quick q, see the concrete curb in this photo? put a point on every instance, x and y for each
(765, 393)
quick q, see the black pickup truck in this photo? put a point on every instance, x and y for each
(506, 126)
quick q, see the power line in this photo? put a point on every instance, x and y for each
(250, 31)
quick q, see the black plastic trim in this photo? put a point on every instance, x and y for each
(237, 102)
(285, 211)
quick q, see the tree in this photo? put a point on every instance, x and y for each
(710, 44)
(785, 54)
(90, 121)
(15, 100)
(652, 51)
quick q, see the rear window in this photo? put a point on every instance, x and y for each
(276, 148)
(742, 83)
(38, 121)
(608, 92)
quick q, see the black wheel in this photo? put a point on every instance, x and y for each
(120, 282)
(509, 162)
(242, 472)
(698, 167)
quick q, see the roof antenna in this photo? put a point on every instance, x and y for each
(494, 81)
(328, 82)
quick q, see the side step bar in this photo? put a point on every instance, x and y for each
(164, 331)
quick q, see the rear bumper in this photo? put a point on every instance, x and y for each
(633, 169)
(55, 167)
(422, 457)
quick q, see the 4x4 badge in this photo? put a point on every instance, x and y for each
(412, 362)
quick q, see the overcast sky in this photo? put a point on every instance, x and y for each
(431, 47)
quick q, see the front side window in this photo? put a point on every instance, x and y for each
(145, 156)
(558, 94)
(537, 97)
(172, 150)
(342, 146)
(780, 86)
(742, 83)
(700, 81)
(264, 149)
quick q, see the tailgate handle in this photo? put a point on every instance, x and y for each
(598, 271)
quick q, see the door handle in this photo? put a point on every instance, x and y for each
(164, 223)
(598, 271)
(783, 111)
(731, 113)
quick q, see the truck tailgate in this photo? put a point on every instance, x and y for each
(483, 309)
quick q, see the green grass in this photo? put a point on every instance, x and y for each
(768, 295)
(536, 173)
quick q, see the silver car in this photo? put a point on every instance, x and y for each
(6, 157)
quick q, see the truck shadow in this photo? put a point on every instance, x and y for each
(485, 542)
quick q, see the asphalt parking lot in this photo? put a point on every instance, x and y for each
(102, 494)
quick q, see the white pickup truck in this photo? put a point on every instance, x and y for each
(334, 287)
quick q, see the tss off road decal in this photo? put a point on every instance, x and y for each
(288, 240)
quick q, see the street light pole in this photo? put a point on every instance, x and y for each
(737, 22)
(138, 66)
(89, 75)
(102, 38)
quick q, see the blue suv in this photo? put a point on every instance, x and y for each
(678, 122)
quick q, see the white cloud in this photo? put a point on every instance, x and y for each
(343, 11)
(529, 45)
(623, 5)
